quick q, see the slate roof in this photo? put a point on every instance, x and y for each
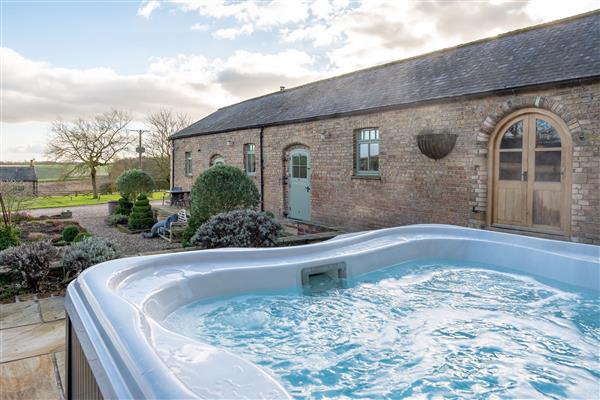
(554, 52)
(20, 174)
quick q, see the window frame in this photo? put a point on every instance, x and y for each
(357, 142)
(187, 156)
(250, 149)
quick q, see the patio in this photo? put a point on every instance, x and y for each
(32, 342)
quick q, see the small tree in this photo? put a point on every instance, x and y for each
(219, 189)
(14, 198)
(141, 216)
(90, 143)
(163, 124)
(134, 182)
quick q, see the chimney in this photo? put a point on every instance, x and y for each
(281, 88)
(32, 163)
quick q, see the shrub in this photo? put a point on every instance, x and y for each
(69, 233)
(141, 216)
(31, 261)
(84, 254)
(116, 219)
(124, 206)
(80, 236)
(239, 228)
(9, 237)
(219, 189)
(106, 188)
(134, 182)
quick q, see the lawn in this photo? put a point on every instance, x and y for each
(71, 201)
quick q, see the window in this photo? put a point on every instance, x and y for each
(217, 159)
(188, 163)
(299, 166)
(250, 158)
(367, 152)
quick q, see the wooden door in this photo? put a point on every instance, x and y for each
(299, 185)
(531, 186)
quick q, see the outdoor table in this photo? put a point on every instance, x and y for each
(178, 197)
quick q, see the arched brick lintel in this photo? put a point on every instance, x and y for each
(489, 124)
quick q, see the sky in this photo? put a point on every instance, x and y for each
(66, 59)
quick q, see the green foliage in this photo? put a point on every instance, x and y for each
(219, 189)
(116, 219)
(124, 206)
(141, 216)
(238, 228)
(90, 251)
(80, 236)
(9, 237)
(134, 182)
(69, 233)
(30, 261)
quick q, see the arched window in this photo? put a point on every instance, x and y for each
(217, 159)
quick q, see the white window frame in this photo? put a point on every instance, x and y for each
(250, 150)
(359, 140)
(188, 163)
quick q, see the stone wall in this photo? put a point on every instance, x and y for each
(413, 188)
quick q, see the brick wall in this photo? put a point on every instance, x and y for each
(413, 188)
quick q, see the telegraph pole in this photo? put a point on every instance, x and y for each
(140, 149)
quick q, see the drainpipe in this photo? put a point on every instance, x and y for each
(172, 165)
(262, 170)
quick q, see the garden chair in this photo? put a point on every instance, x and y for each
(172, 232)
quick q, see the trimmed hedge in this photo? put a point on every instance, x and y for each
(238, 228)
(69, 233)
(141, 216)
(220, 189)
(124, 206)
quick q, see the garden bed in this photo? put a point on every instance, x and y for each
(45, 229)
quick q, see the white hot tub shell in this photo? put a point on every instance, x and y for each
(119, 348)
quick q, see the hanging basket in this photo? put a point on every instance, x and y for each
(436, 145)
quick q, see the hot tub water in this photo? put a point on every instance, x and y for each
(422, 330)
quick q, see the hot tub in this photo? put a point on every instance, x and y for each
(121, 344)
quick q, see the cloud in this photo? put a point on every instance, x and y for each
(147, 8)
(232, 33)
(199, 27)
(194, 84)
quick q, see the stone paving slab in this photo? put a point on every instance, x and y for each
(29, 378)
(19, 314)
(60, 364)
(31, 340)
(52, 308)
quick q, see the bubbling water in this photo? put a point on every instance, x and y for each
(419, 331)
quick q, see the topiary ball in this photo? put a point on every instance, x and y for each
(69, 233)
(80, 236)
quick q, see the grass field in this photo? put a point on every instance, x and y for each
(56, 172)
(72, 201)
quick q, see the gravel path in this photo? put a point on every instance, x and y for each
(92, 219)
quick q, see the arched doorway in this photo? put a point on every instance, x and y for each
(530, 185)
(299, 185)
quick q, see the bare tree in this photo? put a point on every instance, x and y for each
(162, 125)
(13, 198)
(90, 143)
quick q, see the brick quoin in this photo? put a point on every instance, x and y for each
(413, 189)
